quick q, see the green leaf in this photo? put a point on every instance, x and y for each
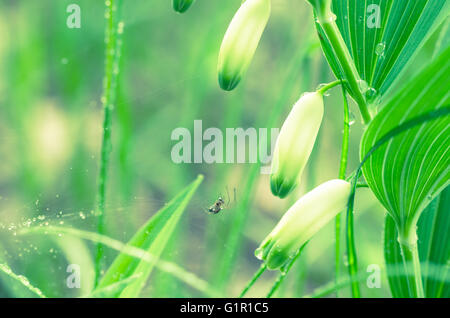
(410, 170)
(152, 237)
(381, 53)
(434, 251)
(19, 285)
(82, 257)
(115, 288)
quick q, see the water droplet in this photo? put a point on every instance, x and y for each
(373, 97)
(351, 119)
(373, 109)
(320, 86)
(363, 87)
(379, 49)
(332, 17)
(120, 27)
(345, 260)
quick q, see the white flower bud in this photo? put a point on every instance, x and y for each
(241, 40)
(295, 143)
(304, 219)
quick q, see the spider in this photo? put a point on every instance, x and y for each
(220, 204)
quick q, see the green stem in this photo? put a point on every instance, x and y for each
(284, 271)
(351, 253)
(411, 261)
(362, 185)
(113, 31)
(255, 277)
(327, 21)
(326, 87)
(342, 170)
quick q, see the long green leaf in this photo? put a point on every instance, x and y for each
(165, 266)
(409, 171)
(434, 250)
(152, 237)
(380, 52)
(106, 292)
(18, 284)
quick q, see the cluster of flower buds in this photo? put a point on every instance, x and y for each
(315, 209)
(294, 144)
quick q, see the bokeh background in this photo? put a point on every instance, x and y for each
(50, 134)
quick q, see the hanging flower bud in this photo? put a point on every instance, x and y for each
(181, 6)
(304, 219)
(241, 40)
(295, 143)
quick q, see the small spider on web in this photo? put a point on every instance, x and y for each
(220, 203)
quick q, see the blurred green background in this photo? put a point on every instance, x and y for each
(50, 133)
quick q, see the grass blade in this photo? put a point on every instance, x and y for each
(18, 283)
(133, 252)
(113, 32)
(152, 237)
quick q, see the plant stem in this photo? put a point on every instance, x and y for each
(342, 170)
(255, 277)
(410, 254)
(351, 249)
(326, 87)
(329, 26)
(284, 271)
(113, 31)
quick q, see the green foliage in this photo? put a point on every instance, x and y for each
(153, 237)
(434, 250)
(381, 52)
(411, 169)
(165, 79)
(60, 233)
(18, 285)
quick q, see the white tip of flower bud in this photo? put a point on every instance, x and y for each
(241, 40)
(304, 219)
